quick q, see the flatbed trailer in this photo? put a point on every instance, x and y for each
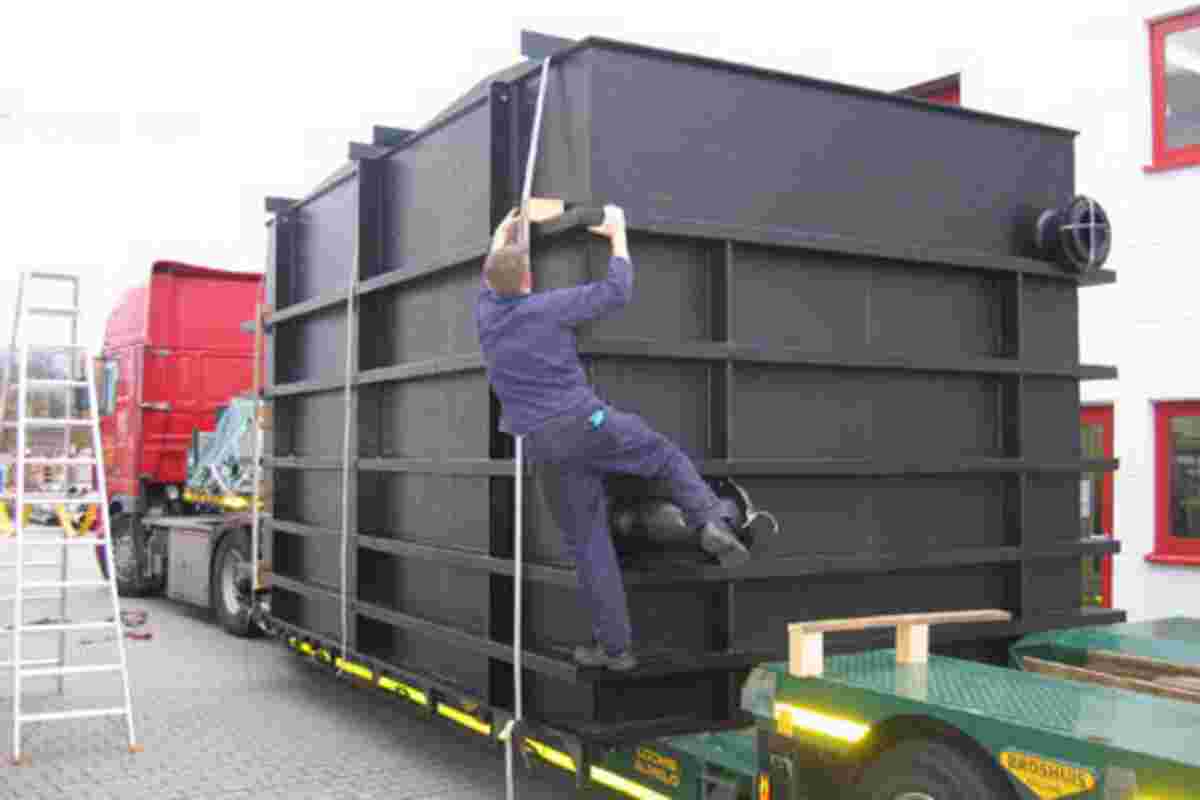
(871, 725)
(388, 517)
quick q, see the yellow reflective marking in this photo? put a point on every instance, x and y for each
(306, 648)
(598, 774)
(1047, 778)
(230, 502)
(64, 520)
(466, 720)
(354, 669)
(403, 689)
(789, 717)
(551, 755)
(614, 781)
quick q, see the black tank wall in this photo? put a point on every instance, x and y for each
(827, 307)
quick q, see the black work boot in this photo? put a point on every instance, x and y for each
(719, 540)
(595, 656)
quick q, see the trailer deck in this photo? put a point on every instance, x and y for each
(1057, 737)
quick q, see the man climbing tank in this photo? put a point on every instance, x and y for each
(576, 440)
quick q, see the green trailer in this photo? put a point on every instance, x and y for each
(1106, 712)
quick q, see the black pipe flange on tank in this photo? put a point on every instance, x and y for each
(1077, 236)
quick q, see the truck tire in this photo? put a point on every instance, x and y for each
(927, 769)
(130, 556)
(231, 598)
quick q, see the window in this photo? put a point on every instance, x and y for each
(1177, 483)
(108, 387)
(1096, 502)
(1175, 90)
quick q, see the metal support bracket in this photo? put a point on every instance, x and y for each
(279, 205)
(385, 136)
(537, 46)
(359, 151)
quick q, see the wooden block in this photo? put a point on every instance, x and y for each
(806, 654)
(544, 208)
(912, 644)
(266, 417)
(136, 748)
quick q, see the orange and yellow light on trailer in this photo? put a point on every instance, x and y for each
(764, 787)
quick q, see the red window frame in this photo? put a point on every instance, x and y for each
(1103, 416)
(1168, 548)
(1165, 159)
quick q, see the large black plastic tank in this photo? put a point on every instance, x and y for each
(840, 302)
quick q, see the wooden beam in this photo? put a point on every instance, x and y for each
(1057, 670)
(1149, 669)
(806, 639)
(895, 620)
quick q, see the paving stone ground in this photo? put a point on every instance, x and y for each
(222, 717)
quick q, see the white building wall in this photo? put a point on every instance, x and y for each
(1088, 68)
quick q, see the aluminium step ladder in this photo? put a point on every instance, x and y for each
(21, 501)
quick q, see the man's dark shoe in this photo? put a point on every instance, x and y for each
(597, 658)
(719, 540)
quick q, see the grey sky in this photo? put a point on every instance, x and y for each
(135, 131)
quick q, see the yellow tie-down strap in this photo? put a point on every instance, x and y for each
(85, 524)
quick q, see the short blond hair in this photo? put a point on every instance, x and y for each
(506, 268)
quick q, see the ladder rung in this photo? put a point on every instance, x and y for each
(58, 627)
(29, 564)
(47, 422)
(9, 597)
(66, 585)
(53, 499)
(41, 662)
(62, 541)
(55, 346)
(52, 311)
(50, 383)
(87, 669)
(82, 713)
(60, 277)
(34, 530)
(66, 462)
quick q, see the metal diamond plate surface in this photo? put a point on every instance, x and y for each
(1086, 713)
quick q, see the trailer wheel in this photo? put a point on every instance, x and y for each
(131, 554)
(230, 593)
(926, 769)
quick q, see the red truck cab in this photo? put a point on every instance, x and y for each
(174, 352)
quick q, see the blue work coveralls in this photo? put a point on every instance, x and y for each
(574, 439)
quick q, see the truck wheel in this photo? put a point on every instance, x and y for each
(925, 769)
(130, 556)
(230, 593)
